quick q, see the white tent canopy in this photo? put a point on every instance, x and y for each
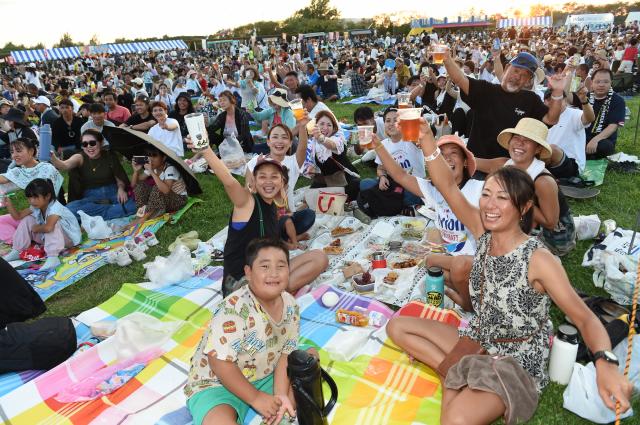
(532, 21)
(42, 55)
(631, 17)
(592, 21)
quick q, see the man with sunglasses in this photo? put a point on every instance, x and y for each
(66, 130)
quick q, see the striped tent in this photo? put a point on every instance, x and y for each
(41, 55)
(532, 21)
(145, 46)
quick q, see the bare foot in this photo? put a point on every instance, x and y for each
(304, 237)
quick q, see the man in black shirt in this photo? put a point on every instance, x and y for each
(65, 130)
(328, 83)
(497, 107)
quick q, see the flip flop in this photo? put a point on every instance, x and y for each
(575, 182)
(579, 192)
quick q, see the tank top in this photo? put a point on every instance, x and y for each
(97, 172)
(237, 240)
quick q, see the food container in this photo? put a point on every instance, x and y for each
(395, 245)
(378, 261)
(359, 287)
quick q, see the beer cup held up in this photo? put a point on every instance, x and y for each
(410, 123)
(297, 109)
(403, 100)
(365, 136)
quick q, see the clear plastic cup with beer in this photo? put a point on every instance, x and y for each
(297, 108)
(410, 123)
(438, 53)
(404, 100)
(365, 136)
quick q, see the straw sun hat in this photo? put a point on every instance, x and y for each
(531, 129)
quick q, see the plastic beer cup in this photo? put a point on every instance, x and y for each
(403, 100)
(438, 54)
(297, 109)
(197, 130)
(365, 136)
(410, 123)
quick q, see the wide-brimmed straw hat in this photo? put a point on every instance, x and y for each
(279, 97)
(531, 129)
(456, 140)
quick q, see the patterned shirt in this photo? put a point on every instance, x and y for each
(358, 85)
(243, 333)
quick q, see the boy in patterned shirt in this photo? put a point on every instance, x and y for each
(241, 361)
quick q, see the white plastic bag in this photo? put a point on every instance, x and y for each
(139, 332)
(177, 267)
(232, 155)
(587, 226)
(95, 227)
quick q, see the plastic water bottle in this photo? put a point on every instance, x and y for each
(434, 286)
(44, 154)
(563, 354)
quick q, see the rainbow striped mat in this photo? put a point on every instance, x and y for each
(378, 384)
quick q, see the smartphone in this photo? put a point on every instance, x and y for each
(140, 159)
(496, 44)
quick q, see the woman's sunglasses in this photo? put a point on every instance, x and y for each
(91, 143)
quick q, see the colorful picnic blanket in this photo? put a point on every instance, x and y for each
(155, 391)
(367, 99)
(86, 258)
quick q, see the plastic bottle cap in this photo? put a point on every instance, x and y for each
(568, 334)
(434, 271)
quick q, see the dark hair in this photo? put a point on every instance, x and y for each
(471, 65)
(93, 132)
(109, 93)
(291, 74)
(229, 96)
(257, 245)
(412, 79)
(40, 187)
(26, 143)
(600, 70)
(282, 126)
(186, 97)
(96, 108)
(151, 150)
(306, 92)
(388, 111)
(362, 113)
(332, 118)
(66, 102)
(520, 188)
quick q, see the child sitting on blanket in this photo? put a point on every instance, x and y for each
(241, 361)
(158, 186)
(285, 221)
(46, 222)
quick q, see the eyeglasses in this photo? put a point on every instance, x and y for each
(91, 143)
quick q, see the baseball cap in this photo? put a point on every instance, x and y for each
(264, 160)
(526, 61)
(42, 99)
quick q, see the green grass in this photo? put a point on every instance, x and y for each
(618, 200)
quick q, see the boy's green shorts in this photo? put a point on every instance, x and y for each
(203, 401)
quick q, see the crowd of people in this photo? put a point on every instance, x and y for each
(514, 111)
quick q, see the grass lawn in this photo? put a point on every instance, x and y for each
(619, 200)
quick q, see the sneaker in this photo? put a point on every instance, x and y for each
(147, 238)
(361, 215)
(13, 255)
(51, 263)
(134, 250)
(118, 256)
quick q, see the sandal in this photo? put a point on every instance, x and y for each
(575, 182)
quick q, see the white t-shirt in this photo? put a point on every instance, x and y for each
(380, 128)
(291, 163)
(172, 173)
(319, 107)
(569, 135)
(407, 155)
(453, 232)
(170, 138)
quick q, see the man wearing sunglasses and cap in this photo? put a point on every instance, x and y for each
(497, 107)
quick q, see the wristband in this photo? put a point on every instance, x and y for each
(433, 156)
(557, 97)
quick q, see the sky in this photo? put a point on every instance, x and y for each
(32, 21)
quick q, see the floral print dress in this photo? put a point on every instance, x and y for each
(508, 308)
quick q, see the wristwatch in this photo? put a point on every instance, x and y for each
(607, 356)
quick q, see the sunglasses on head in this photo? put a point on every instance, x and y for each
(91, 143)
(280, 94)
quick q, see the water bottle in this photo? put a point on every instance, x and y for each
(563, 354)
(434, 286)
(44, 154)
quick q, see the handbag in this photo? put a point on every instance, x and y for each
(326, 200)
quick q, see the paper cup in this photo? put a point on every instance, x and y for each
(197, 130)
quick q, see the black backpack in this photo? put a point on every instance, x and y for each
(39, 345)
(382, 203)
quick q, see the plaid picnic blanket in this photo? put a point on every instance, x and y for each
(86, 258)
(153, 392)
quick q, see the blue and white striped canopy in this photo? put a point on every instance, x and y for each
(41, 55)
(533, 21)
(145, 46)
